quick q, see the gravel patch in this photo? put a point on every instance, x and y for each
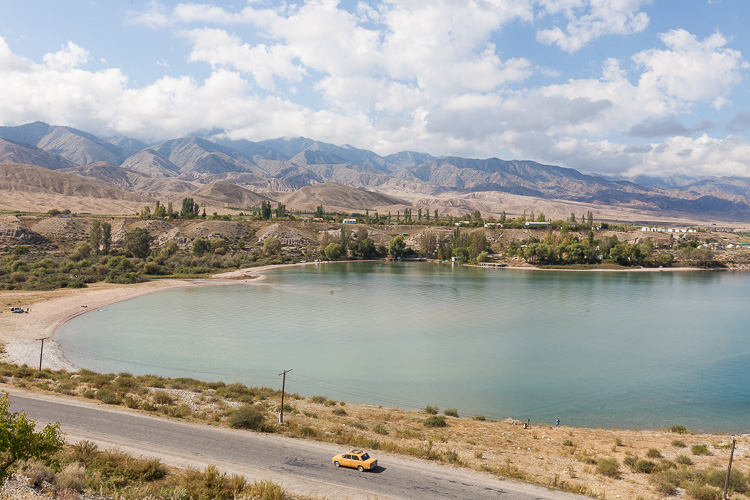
(22, 353)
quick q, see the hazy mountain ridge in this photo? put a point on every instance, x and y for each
(286, 165)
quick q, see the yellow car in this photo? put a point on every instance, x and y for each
(356, 459)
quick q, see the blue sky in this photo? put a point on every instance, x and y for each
(611, 86)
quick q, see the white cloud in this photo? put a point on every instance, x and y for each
(8, 60)
(220, 49)
(154, 16)
(591, 19)
(70, 56)
(692, 70)
(699, 156)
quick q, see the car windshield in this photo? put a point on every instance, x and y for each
(365, 456)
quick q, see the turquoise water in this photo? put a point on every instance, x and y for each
(599, 349)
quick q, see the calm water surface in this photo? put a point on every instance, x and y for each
(602, 349)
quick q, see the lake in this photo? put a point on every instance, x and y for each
(595, 349)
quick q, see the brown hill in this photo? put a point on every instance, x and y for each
(15, 152)
(224, 193)
(129, 180)
(41, 189)
(335, 196)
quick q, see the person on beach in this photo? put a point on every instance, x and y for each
(557, 423)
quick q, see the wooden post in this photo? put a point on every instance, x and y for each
(283, 384)
(41, 351)
(729, 469)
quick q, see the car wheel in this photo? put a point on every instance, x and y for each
(361, 469)
(337, 464)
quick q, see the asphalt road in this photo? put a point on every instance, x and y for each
(301, 467)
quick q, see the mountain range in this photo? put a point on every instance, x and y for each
(304, 173)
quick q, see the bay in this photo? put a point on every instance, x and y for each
(595, 349)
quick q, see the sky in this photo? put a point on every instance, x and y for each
(619, 87)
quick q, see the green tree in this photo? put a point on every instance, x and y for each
(319, 212)
(397, 246)
(272, 246)
(333, 251)
(265, 210)
(20, 441)
(95, 236)
(367, 248)
(477, 243)
(201, 246)
(429, 243)
(137, 243)
(106, 237)
(346, 237)
(280, 211)
(188, 208)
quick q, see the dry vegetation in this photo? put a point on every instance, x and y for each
(601, 463)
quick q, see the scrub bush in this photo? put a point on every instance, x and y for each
(435, 421)
(700, 449)
(609, 467)
(247, 417)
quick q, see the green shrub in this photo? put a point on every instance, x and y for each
(451, 412)
(308, 432)
(266, 490)
(339, 411)
(703, 492)
(247, 417)
(180, 411)
(162, 398)
(644, 466)
(716, 478)
(435, 421)
(84, 452)
(680, 429)
(683, 460)
(678, 444)
(431, 410)
(567, 442)
(700, 449)
(653, 453)
(480, 418)
(319, 399)
(108, 397)
(662, 485)
(609, 467)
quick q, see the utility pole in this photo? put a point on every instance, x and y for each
(729, 469)
(283, 384)
(41, 352)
